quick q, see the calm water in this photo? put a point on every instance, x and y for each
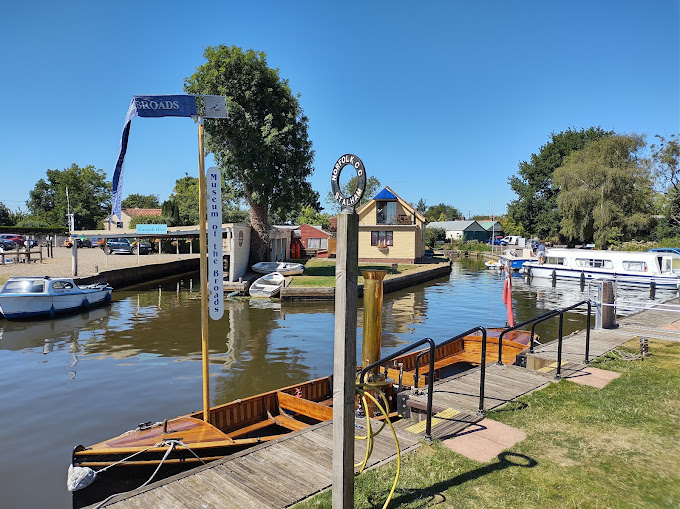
(85, 378)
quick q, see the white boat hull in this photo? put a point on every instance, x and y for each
(285, 268)
(267, 286)
(534, 269)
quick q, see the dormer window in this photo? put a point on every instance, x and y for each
(386, 212)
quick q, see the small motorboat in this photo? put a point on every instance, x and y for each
(494, 265)
(32, 296)
(267, 286)
(285, 268)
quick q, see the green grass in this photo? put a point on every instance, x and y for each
(585, 447)
(320, 273)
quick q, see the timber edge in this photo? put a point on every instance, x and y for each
(389, 285)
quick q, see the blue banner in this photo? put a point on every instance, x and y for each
(146, 106)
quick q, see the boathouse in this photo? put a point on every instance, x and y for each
(493, 228)
(390, 230)
(461, 230)
(313, 240)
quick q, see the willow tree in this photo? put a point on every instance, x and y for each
(605, 191)
(263, 148)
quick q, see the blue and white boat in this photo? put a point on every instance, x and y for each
(28, 297)
(634, 267)
(516, 257)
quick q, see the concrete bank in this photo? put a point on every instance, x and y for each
(119, 278)
(389, 285)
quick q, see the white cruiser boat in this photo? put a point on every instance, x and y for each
(28, 297)
(635, 267)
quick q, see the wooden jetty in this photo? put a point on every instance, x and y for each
(283, 472)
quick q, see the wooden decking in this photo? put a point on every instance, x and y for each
(285, 471)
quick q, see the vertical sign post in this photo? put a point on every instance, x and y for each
(345, 362)
(215, 263)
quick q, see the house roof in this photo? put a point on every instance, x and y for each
(457, 226)
(385, 194)
(136, 212)
(389, 194)
(487, 225)
(316, 227)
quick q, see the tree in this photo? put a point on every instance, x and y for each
(433, 235)
(141, 201)
(373, 187)
(263, 147)
(310, 216)
(535, 210)
(666, 166)
(605, 191)
(421, 206)
(185, 198)
(89, 196)
(5, 215)
(442, 212)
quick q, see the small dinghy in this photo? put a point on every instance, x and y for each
(267, 286)
(494, 264)
(285, 268)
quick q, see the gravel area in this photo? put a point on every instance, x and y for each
(91, 261)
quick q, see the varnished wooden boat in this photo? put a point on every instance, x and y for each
(466, 350)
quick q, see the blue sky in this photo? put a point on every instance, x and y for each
(441, 100)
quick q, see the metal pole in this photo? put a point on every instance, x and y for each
(345, 358)
(373, 299)
(202, 218)
(558, 375)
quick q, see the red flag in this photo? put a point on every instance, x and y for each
(507, 295)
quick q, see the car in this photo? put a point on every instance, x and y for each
(126, 246)
(7, 244)
(79, 242)
(497, 242)
(17, 239)
(97, 242)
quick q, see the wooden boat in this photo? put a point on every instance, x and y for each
(267, 286)
(233, 427)
(28, 297)
(466, 350)
(285, 268)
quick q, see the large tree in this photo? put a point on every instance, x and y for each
(535, 211)
(442, 212)
(263, 147)
(666, 165)
(89, 193)
(606, 191)
(142, 201)
(5, 215)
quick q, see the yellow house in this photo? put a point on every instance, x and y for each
(390, 230)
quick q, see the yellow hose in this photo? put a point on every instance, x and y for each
(363, 391)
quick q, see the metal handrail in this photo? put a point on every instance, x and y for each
(430, 384)
(451, 340)
(548, 316)
(558, 374)
(519, 325)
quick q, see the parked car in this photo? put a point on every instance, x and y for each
(126, 246)
(97, 242)
(17, 239)
(7, 244)
(497, 242)
(79, 242)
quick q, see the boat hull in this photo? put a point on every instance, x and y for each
(28, 306)
(546, 271)
(285, 268)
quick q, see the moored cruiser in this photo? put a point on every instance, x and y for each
(635, 267)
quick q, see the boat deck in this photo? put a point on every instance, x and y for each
(288, 470)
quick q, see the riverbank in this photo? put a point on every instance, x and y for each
(93, 263)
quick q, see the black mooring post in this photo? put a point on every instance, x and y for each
(652, 290)
(554, 278)
(558, 375)
(583, 280)
(588, 332)
(482, 373)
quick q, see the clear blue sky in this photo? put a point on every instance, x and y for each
(441, 100)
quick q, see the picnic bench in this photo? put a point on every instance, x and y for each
(21, 255)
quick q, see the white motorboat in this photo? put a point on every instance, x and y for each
(285, 268)
(27, 297)
(516, 257)
(635, 267)
(268, 285)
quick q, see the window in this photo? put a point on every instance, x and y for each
(313, 243)
(386, 212)
(119, 224)
(635, 266)
(595, 263)
(555, 260)
(381, 239)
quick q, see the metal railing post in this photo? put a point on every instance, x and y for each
(558, 375)
(588, 332)
(482, 373)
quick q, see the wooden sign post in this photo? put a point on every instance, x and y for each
(345, 346)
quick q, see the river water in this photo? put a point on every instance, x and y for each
(81, 379)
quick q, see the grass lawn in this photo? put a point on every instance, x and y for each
(320, 273)
(585, 447)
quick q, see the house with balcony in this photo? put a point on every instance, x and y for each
(390, 230)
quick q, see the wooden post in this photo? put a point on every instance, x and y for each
(345, 362)
(607, 297)
(202, 218)
(74, 257)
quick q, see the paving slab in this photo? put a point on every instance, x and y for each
(594, 377)
(485, 440)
